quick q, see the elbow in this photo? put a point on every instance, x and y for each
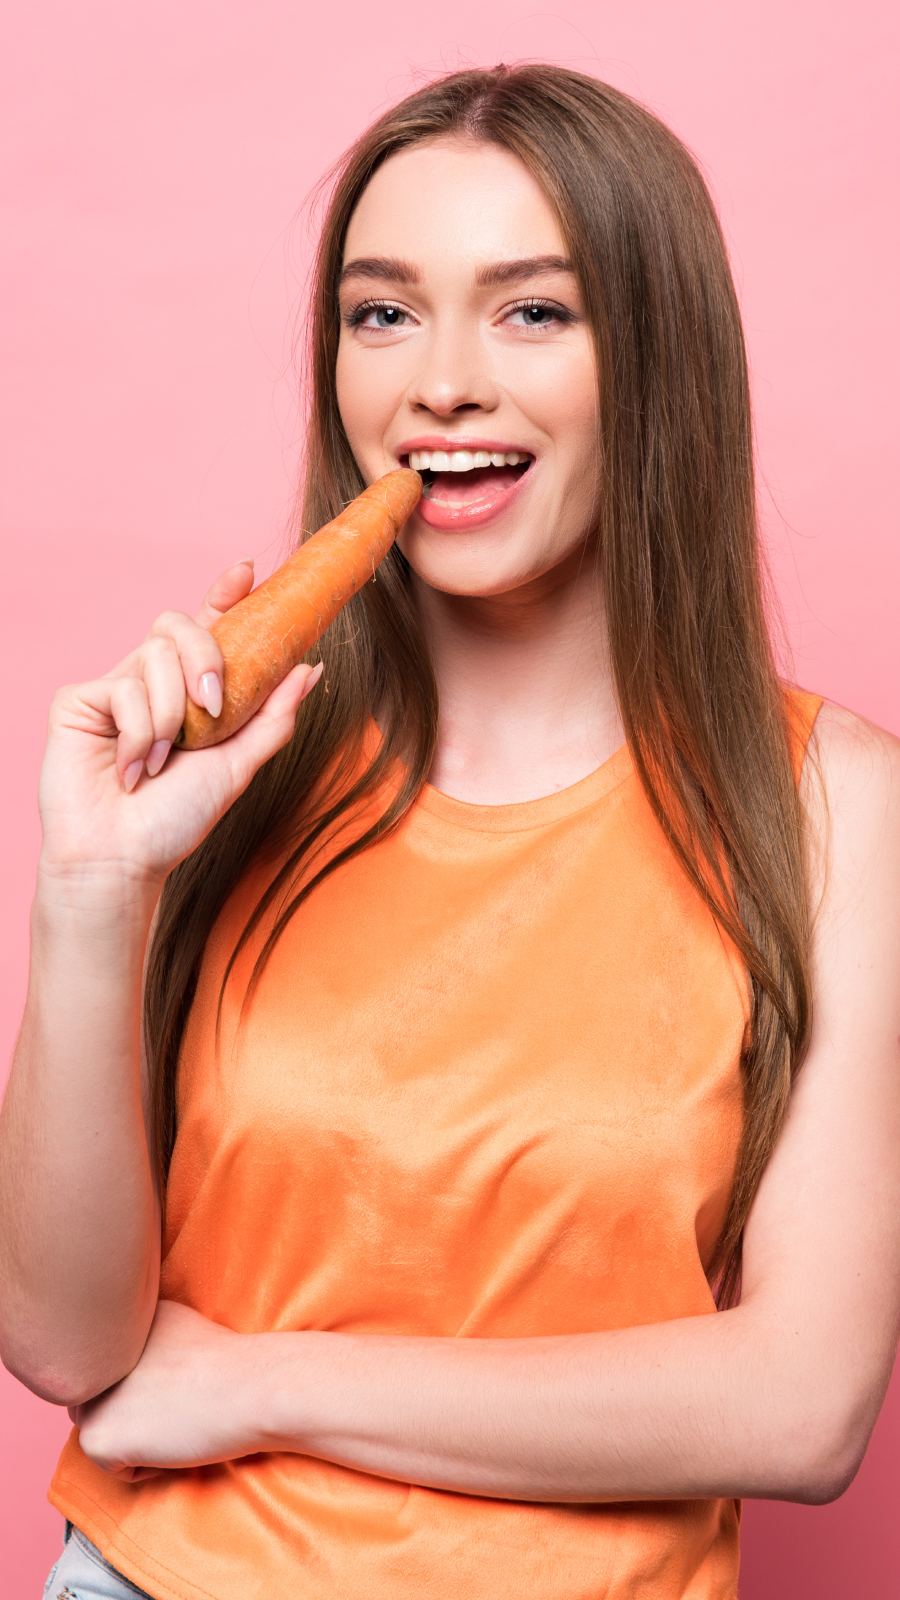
(62, 1389)
(830, 1459)
(824, 1484)
(71, 1373)
(47, 1386)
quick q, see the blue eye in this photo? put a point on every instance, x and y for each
(356, 316)
(556, 311)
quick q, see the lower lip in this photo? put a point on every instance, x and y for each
(457, 519)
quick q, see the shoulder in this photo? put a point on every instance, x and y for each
(850, 788)
(845, 738)
(854, 753)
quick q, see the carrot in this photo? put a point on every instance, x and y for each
(270, 630)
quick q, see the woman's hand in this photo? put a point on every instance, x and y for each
(190, 1401)
(99, 730)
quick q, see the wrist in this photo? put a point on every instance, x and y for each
(94, 890)
(281, 1381)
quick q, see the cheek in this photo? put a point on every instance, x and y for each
(572, 394)
(556, 388)
(366, 398)
(344, 388)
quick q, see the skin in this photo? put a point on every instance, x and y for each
(759, 1400)
(775, 1398)
(185, 1404)
(516, 625)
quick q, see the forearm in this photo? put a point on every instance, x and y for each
(691, 1408)
(79, 1225)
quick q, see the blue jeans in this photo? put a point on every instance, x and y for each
(82, 1573)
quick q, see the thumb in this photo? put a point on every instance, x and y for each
(224, 592)
(292, 689)
(271, 725)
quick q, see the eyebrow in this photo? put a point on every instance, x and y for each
(486, 277)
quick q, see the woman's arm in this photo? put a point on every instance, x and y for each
(697, 1407)
(79, 1207)
(775, 1398)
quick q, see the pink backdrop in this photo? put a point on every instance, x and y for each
(155, 252)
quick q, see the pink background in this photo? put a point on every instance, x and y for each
(155, 249)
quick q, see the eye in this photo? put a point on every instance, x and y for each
(357, 315)
(558, 312)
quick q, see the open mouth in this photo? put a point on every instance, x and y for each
(469, 484)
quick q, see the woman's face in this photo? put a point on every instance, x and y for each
(450, 358)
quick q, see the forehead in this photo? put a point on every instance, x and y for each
(452, 205)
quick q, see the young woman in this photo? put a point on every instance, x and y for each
(474, 1231)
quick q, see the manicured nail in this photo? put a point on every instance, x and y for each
(211, 693)
(158, 752)
(314, 677)
(131, 776)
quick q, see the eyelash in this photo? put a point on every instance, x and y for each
(354, 317)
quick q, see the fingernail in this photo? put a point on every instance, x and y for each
(211, 693)
(314, 677)
(131, 776)
(158, 752)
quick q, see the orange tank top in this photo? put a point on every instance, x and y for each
(489, 1087)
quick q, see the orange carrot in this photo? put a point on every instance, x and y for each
(268, 632)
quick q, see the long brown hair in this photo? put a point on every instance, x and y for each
(678, 557)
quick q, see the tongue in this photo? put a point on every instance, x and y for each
(483, 483)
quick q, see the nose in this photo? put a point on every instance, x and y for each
(452, 372)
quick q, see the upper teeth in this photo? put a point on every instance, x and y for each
(464, 460)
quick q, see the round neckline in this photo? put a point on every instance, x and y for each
(514, 815)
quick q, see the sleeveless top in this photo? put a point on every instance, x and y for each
(489, 1087)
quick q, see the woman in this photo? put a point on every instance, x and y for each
(477, 992)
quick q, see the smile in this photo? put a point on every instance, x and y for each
(462, 490)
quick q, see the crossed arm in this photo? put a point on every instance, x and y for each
(775, 1398)
(698, 1407)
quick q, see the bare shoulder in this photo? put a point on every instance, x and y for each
(847, 738)
(859, 763)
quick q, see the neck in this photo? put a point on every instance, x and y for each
(525, 685)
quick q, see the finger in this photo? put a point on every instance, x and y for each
(224, 592)
(130, 710)
(268, 729)
(166, 697)
(198, 651)
(108, 708)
